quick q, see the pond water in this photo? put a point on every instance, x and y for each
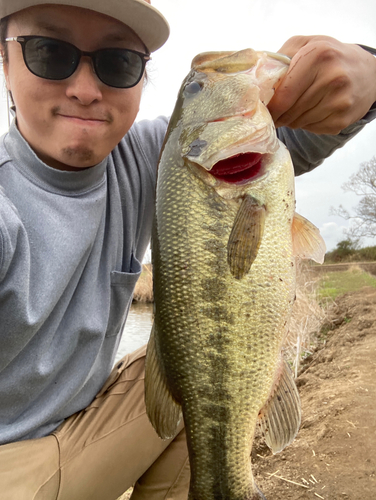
(137, 329)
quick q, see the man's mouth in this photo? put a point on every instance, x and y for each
(238, 169)
(85, 120)
(94, 116)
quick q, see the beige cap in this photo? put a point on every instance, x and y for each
(146, 21)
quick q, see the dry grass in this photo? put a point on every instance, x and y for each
(308, 316)
(126, 495)
(144, 287)
(355, 269)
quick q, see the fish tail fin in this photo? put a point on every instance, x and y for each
(163, 411)
(280, 418)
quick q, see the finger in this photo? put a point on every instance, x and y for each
(298, 79)
(330, 110)
(318, 103)
(311, 119)
(309, 101)
(293, 44)
(328, 126)
(325, 121)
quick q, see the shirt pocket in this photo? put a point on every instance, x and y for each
(122, 288)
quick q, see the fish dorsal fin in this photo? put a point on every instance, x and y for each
(163, 411)
(246, 236)
(204, 58)
(307, 240)
(226, 62)
(280, 418)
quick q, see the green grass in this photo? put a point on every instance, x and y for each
(337, 283)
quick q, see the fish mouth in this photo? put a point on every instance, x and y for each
(239, 169)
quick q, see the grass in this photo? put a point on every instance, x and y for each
(307, 318)
(315, 294)
(126, 495)
(144, 287)
(333, 284)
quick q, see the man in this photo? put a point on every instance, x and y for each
(77, 179)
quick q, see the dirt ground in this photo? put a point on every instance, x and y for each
(334, 454)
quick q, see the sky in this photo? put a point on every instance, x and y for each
(200, 26)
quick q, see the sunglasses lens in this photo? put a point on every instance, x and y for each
(57, 60)
(119, 68)
(51, 59)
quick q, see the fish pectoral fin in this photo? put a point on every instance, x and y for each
(163, 411)
(280, 418)
(307, 240)
(245, 237)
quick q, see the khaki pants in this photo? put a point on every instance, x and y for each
(101, 451)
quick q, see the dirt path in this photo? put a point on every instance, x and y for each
(334, 454)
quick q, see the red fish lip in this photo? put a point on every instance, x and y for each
(238, 169)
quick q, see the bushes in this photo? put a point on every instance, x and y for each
(349, 251)
(368, 253)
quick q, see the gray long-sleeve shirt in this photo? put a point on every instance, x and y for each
(71, 244)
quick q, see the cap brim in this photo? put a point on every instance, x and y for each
(144, 19)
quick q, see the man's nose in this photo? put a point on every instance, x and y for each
(84, 84)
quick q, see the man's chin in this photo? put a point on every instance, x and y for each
(79, 156)
(75, 158)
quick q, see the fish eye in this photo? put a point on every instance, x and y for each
(192, 88)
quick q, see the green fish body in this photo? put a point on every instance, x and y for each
(224, 255)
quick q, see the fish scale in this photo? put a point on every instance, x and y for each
(203, 321)
(224, 285)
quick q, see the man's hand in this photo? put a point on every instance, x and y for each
(329, 85)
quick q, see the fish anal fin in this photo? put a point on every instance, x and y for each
(163, 411)
(280, 418)
(307, 240)
(245, 237)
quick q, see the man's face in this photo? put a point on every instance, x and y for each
(72, 123)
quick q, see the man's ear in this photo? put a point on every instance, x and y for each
(6, 75)
(4, 63)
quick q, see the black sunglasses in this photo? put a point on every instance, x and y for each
(57, 60)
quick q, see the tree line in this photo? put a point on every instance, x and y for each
(350, 251)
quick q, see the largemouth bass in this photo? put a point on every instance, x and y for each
(225, 241)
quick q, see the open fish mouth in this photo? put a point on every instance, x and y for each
(239, 169)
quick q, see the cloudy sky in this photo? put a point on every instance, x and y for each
(199, 25)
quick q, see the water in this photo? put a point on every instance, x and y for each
(137, 329)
